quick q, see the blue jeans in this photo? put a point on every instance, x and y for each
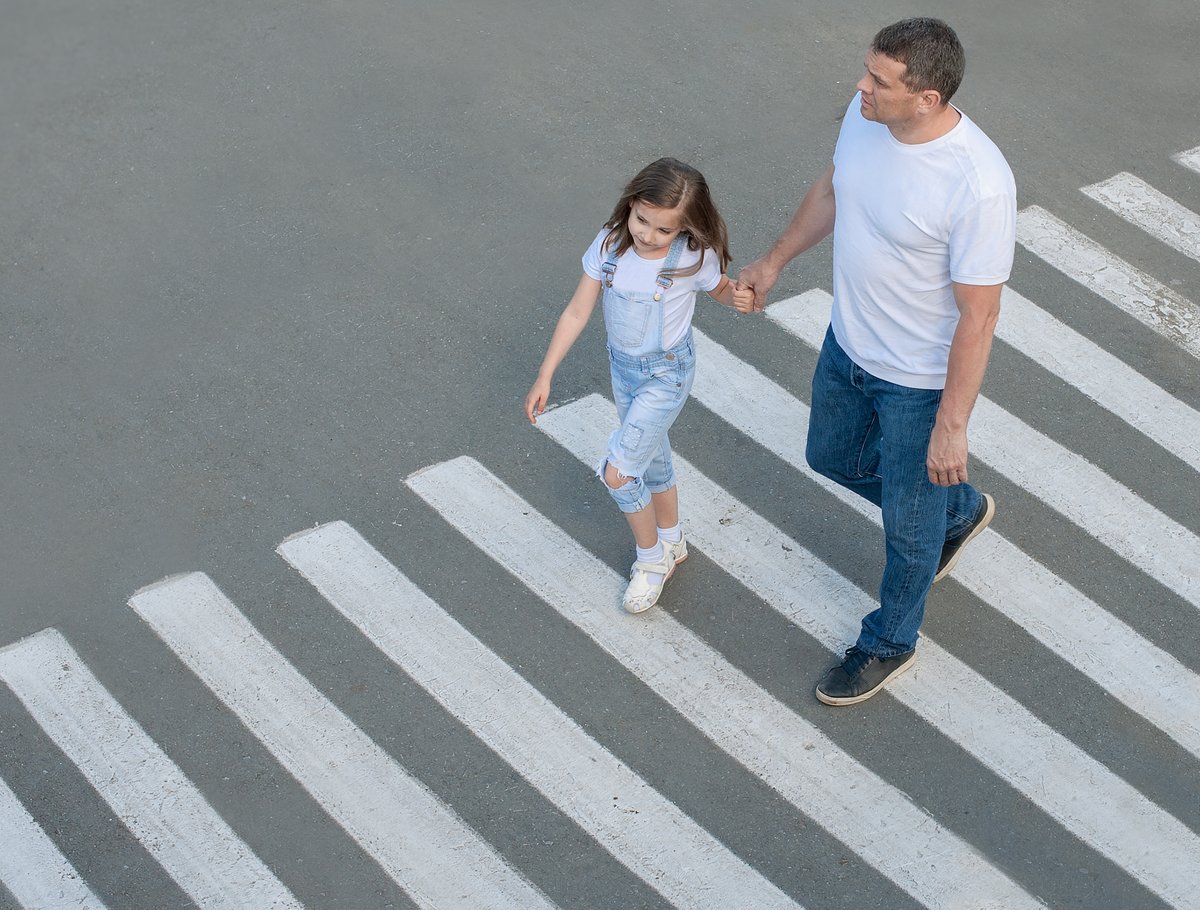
(872, 437)
(649, 391)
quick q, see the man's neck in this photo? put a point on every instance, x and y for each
(926, 128)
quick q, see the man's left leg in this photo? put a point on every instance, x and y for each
(968, 513)
(914, 523)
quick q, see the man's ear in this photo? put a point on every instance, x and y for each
(930, 101)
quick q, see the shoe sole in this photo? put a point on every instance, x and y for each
(855, 699)
(988, 515)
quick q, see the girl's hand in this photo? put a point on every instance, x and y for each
(758, 277)
(536, 400)
(743, 298)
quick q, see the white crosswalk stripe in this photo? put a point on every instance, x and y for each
(1066, 482)
(875, 820)
(1189, 159)
(32, 867)
(1082, 259)
(607, 799)
(414, 836)
(143, 786)
(1157, 214)
(1046, 767)
(1105, 379)
(1149, 680)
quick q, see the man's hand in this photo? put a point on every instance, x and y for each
(947, 458)
(756, 281)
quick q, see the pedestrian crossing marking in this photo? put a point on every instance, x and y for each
(146, 790)
(1154, 212)
(415, 837)
(1083, 260)
(795, 758)
(1063, 480)
(1149, 680)
(1116, 820)
(1189, 159)
(32, 868)
(668, 850)
(1103, 378)
(1081, 363)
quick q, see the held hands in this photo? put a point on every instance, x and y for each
(756, 279)
(743, 299)
(536, 400)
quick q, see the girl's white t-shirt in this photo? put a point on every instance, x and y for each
(637, 275)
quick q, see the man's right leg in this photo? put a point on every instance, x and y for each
(843, 430)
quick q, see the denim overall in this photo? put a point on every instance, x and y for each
(650, 385)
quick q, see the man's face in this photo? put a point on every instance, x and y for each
(885, 97)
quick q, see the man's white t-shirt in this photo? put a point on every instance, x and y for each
(638, 275)
(910, 220)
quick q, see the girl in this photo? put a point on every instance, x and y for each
(662, 243)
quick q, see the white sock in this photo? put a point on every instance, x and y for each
(671, 535)
(652, 556)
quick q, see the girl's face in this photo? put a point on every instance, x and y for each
(653, 228)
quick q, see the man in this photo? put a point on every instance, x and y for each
(925, 213)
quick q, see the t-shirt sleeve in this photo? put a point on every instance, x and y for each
(593, 258)
(982, 241)
(851, 120)
(710, 273)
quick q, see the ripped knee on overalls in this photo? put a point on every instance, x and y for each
(614, 478)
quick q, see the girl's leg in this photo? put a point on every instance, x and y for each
(637, 468)
(643, 523)
(666, 507)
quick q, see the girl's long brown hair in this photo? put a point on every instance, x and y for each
(668, 184)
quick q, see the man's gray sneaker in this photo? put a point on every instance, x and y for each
(860, 676)
(951, 549)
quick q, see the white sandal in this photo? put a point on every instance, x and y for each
(641, 594)
(677, 548)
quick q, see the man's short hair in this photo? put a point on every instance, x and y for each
(930, 51)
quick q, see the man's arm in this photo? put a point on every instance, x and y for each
(979, 310)
(811, 224)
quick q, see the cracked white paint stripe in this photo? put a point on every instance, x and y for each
(1105, 379)
(32, 867)
(867, 814)
(146, 790)
(1068, 483)
(1080, 793)
(1083, 260)
(415, 837)
(634, 822)
(1154, 212)
(1189, 159)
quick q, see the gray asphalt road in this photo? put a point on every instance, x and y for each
(260, 263)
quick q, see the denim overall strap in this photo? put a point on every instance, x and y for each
(664, 281)
(609, 268)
